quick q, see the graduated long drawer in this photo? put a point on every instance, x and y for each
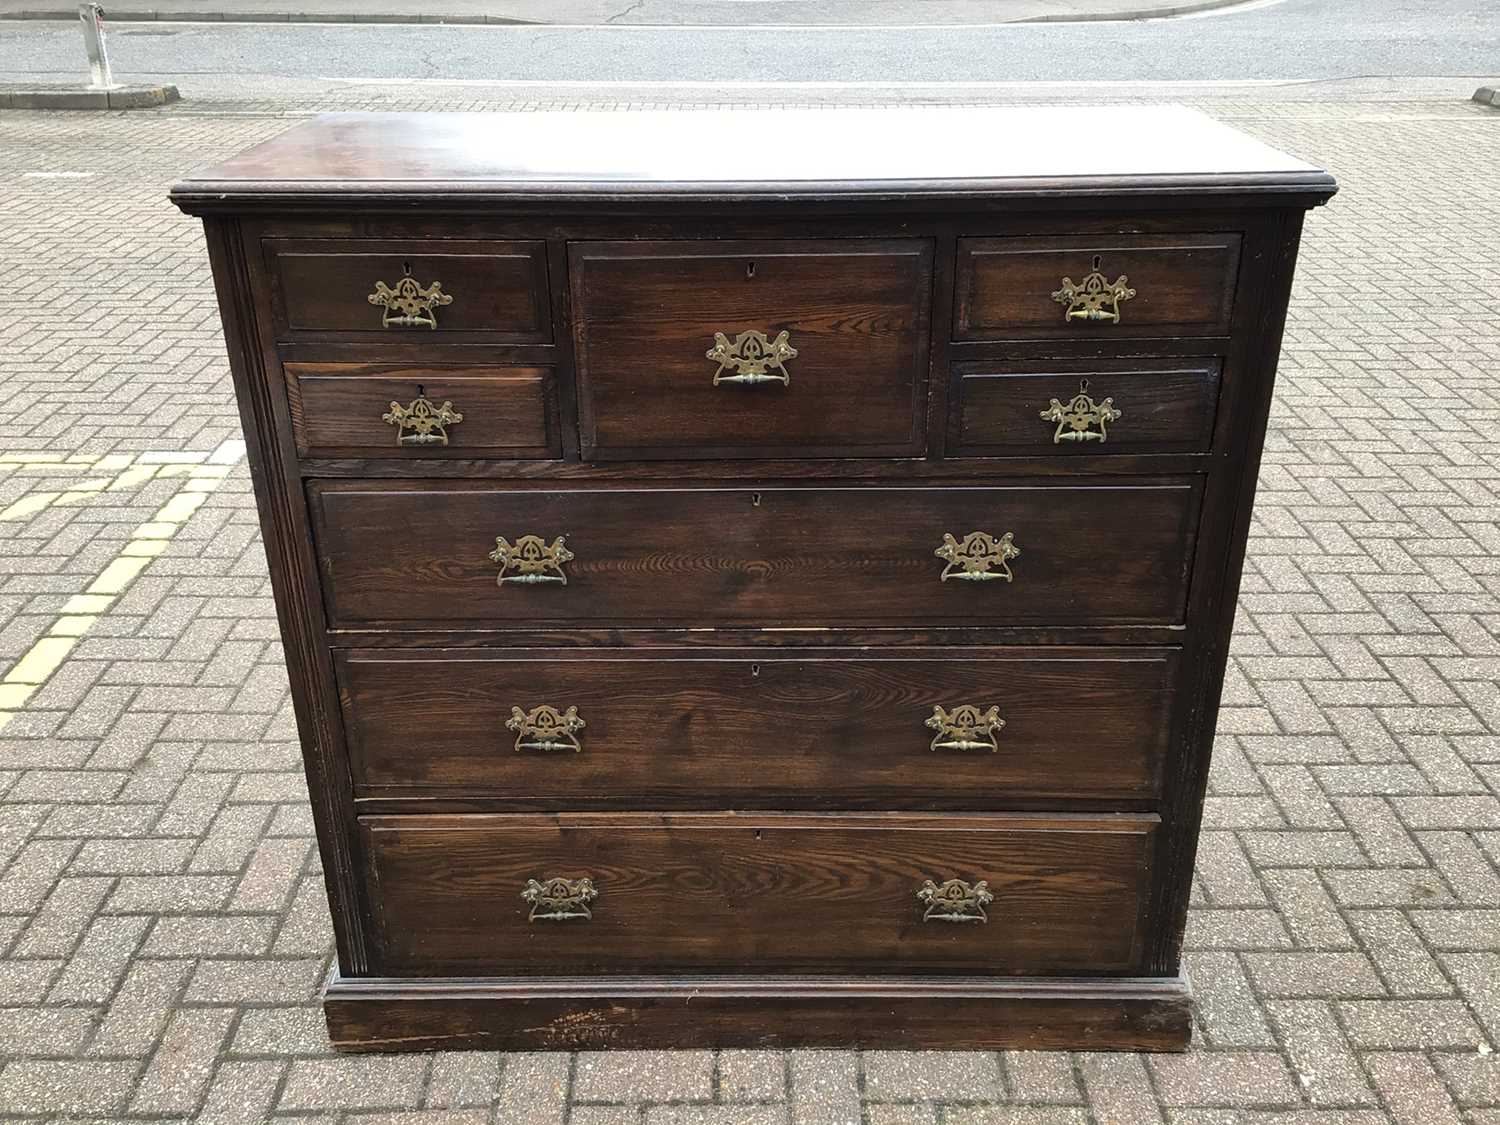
(882, 893)
(760, 728)
(460, 555)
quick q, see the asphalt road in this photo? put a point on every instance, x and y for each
(1289, 40)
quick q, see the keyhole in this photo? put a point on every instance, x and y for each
(750, 268)
(757, 833)
(1083, 385)
(1097, 259)
(421, 391)
(755, 669)
(755, 499)
(406, 267)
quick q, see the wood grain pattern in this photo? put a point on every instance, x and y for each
(321, 286)
(1185, 285)
(760, 728)
(1165, 406)
(1091, 554)
(721, 892)
(748, 1010)
(645, 315)
(337, 409)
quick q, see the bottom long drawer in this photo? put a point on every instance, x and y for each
(486, 895)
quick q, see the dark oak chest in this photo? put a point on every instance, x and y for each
(734, 600)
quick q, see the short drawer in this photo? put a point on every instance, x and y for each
(392, 289)
(1074, 408)
(1096, 286)
(751, 349)
(464, 556)
(408, 411)
(937, 727)
(652, 893)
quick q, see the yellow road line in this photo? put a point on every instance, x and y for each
(201, 473)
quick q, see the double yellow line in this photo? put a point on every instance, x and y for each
(201, 474)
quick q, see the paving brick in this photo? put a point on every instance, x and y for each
(1412, 1091)
(354, 1082)
(1119, 1089)
(1313, 974)
(1409, 1024)
(463, 1078)
(825, 1088)
(33, 1086)
(1041, 1076)
(644, 1076)
(752, 1076)
(1326, 1067)
(242, 1093)
(1227, 1007)
(534, 1090)
(1252, 1078)
(183, 1064)
(911, 1076)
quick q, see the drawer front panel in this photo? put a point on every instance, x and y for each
(1075, 409)
(495, 291)
(465, 556)
(405, 411)
(761, 727)
(1181, 285)
(647, 315)
(728, 892)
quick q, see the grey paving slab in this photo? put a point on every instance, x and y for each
(162, 925)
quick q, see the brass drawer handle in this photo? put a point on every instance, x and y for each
(409, 305)
(546, 728)
(531, 559)
(1095, 297)
(421, 422)
(1081, 419)
(966, 727)
(559, 900)
(752, 357)
(979, 558)
(954, 900)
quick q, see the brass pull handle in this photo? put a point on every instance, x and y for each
(1095, 297)
(559, 900)
(546, 728)
(979, 558)
(1081, 419)
(407, 304)
(421, 422)
(752, 357)
(966, 727)
(954, 900)
(531, 559)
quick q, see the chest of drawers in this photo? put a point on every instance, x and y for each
(756, 577)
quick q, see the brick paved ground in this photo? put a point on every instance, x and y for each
(162, 926)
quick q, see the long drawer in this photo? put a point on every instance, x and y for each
(464, 555)
(767, 728)
(880, 893)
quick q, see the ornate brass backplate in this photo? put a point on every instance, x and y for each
(531, 559)
(1095, 297)
(955, 901)
(1081, 419)
(752, 357)
(421, 422)
(979, 558)
(546, 728)
(409, 305)
(559, 900)
(966, 727)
